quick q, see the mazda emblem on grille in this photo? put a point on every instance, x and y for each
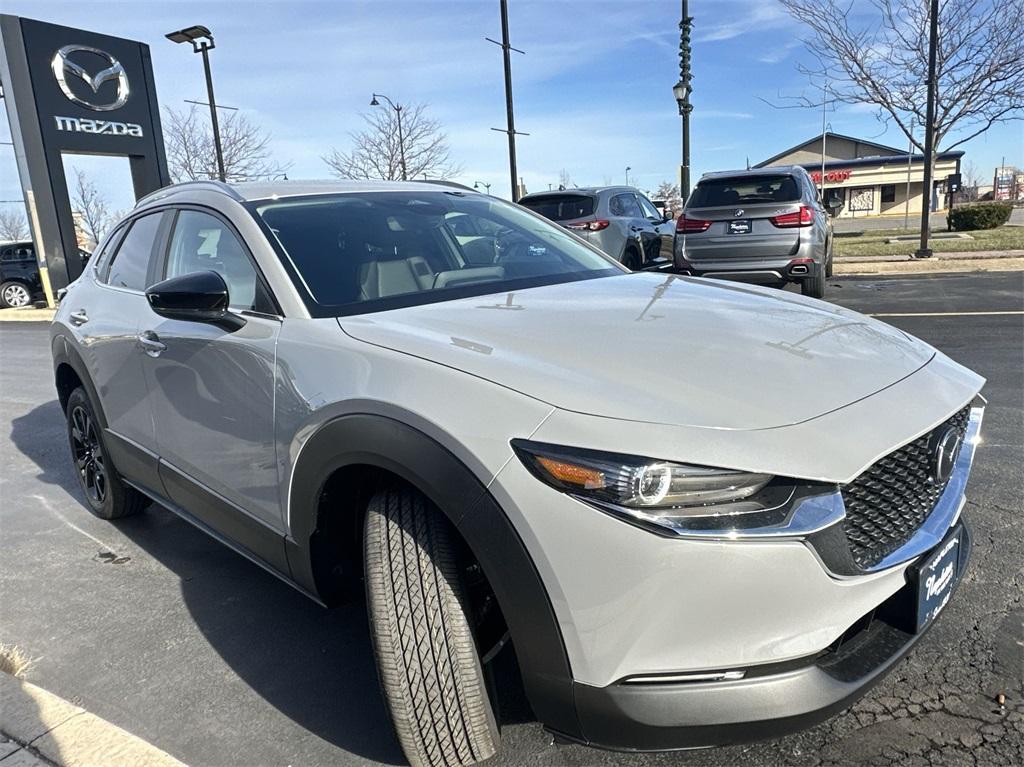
(944, 454)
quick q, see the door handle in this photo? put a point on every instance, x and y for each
(150, 343)
(78, 317)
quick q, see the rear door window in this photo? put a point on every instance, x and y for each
(744, 189)
(131, 262)
(561, 207)
(625, 205)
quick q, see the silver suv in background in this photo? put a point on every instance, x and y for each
(766, 225)
(619, 220)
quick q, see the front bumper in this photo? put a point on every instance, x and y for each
(768, 702)
(654, 625)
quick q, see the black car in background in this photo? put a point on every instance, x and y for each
(20, 284)
(19, 275)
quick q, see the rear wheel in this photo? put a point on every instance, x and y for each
(813, 285)
(427, 660)
(631, 259)
(14, 295)
(106, 493)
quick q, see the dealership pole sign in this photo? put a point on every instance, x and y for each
(71, 91)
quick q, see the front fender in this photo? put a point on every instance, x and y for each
(386, 443)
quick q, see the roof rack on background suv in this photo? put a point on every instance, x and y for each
(211, 184)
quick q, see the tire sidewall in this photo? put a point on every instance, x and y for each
(10, 284)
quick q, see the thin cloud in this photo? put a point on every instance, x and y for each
(744, 18)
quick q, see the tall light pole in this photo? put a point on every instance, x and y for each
(929, 133)
(628, 169)
(478, 184)
(202, 42)
(510, 120)
(401, 137)
(682, 90)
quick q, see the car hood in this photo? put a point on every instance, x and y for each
(657, 348)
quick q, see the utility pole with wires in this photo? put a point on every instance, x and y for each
(506, 49)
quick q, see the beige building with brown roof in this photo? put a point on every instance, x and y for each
(870, 179)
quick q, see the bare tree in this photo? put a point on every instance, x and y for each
(669, 192)
(13, 225)
(883, 61)
(191, 154)
(564, 180)
(376, 151)
(91, 209)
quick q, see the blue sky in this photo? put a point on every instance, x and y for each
(593, 90)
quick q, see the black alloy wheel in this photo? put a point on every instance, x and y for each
(88, 456)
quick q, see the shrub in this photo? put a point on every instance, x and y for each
(982, 215)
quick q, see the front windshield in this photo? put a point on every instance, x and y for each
(361, 252)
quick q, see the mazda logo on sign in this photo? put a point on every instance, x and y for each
(63, 67)
(944, 454)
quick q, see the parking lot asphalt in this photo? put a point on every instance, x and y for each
(152, 625)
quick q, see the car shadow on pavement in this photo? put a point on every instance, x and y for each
(313, 665)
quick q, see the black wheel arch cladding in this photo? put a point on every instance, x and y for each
(386, 443)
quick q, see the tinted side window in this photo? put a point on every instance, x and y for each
(205, 243)
(131, 262)
(101, 256)
(624, 205)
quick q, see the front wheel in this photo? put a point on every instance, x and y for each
(427, 660)
(14, 295)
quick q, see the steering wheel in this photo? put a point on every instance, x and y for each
(510, 245)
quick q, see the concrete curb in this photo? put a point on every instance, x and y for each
(26, 315)
(930, 266)
(69, 735)
(978, 255)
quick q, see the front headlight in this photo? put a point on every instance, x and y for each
(669, 495)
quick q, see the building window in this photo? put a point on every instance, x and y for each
(862, 199)
(888, 193)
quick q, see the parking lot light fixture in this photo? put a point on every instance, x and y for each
(401, 139)
(478, 184)
(202, 42)
(628, 169)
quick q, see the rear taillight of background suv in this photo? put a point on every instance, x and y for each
(588, 226)
(684, 224)
(802, 217)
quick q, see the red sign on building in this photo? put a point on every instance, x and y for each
(831, 175)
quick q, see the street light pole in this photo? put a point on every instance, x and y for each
(205, 49)
(628, 169)
(929, 133)
(682, 90)
(202, 42)
(506, 48)
(401, 136)
(478, 184)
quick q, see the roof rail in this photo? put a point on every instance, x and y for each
(445, 182)
(210, 184)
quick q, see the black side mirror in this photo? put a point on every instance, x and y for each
(195, 297)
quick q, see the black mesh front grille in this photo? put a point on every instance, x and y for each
(888, 503)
